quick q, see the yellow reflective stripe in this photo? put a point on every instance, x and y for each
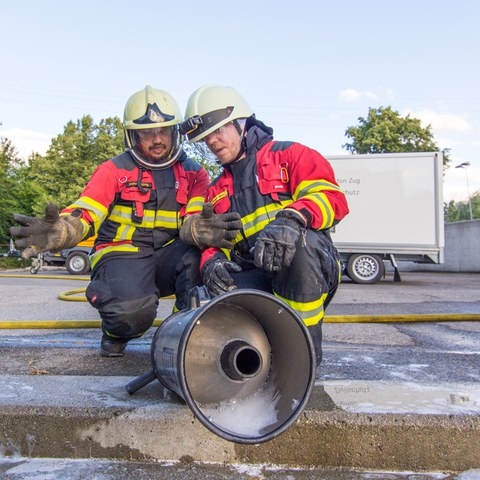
(310, 312)
(96, 210)
(151, 219)
(195, 205)
(166, 219)
(227, 253)
(313, 190)
(94, 258)
(321, 200)
(121, 214)
(256, 221)
(219, 197)
(86, 226)
(311, 186)
(124, 232)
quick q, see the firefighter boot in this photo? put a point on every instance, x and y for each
(112, 347)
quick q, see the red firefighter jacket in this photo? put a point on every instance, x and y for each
(275, 175)
(134, 210)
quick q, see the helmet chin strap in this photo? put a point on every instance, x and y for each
(243, 139)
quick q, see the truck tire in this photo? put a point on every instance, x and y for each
(77, 263)
(365, 268)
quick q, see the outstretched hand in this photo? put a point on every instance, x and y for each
(51, 232)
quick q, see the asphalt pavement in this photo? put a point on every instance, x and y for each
(415, 381)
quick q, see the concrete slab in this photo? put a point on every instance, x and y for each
(360, 425)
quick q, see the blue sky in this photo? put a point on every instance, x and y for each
(308, 69)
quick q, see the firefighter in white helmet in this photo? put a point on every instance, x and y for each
(146, 209)
(287, 197)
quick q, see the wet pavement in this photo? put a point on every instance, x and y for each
(390, 370)
(54, 469)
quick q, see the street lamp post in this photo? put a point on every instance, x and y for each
(465, 166)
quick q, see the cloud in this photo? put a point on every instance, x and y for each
(27, 141)
(351, 95)
(441, 121)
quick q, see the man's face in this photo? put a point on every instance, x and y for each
(154, 143)
(225, 143)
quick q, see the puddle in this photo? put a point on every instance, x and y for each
(386, 397)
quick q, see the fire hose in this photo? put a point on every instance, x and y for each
(74, 296)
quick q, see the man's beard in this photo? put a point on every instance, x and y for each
(155, 157)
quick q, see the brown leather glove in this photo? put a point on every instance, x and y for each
(208, 229)
(52, 232)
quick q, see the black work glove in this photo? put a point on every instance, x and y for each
(216, 275)
(276, 244)
(51, 232)
(208, 229)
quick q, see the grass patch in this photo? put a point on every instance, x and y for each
(7, 263)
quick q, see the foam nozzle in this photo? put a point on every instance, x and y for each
(243, 361)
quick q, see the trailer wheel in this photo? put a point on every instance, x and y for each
(365, 268)
(77, 263)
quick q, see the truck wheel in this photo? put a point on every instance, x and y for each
(77, 263)
(365, 268)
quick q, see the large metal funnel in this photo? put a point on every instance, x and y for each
(244, 363)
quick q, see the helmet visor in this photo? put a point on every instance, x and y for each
(202, 149)
(149, 133)
(202, 146)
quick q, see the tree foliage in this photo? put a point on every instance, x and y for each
(17, 191)
(72, 157)
(8, 160)
(385, 131)
(460, 211)
(213, 168)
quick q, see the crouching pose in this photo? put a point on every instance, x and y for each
(287, 198)
(146, 208)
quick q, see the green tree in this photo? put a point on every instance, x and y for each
(212, 167)
(385, 131)
(9, 160)
(17, 191)
(460, 211)
(72, 157)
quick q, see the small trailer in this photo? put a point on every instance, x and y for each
(396, 212)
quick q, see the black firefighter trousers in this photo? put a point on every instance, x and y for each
(125, 290)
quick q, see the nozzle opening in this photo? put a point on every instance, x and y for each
(240, 360)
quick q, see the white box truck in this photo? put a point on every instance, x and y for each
(396, 212)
